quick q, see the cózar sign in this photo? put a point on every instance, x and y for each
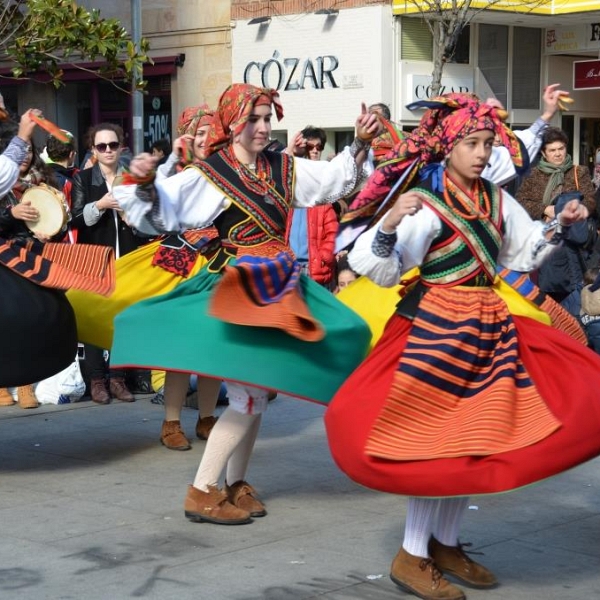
(290, 74)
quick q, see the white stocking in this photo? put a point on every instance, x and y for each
(227, 434)
(238, 463)
(449, 520)
(420, 515)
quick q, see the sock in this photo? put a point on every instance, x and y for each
(419, 523)
(449, 520)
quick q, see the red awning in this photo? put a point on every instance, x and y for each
(163, 65)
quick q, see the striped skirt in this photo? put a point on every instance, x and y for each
(466, 399)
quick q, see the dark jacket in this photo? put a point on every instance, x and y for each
(88, 187)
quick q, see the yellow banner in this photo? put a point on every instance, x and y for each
(534, 7)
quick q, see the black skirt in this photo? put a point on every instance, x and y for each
(39, 332)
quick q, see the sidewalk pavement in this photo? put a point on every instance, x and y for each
(91, 507)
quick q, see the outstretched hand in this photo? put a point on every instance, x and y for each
(142, 165)
(552, 98)
(407, 204)
(572, 212)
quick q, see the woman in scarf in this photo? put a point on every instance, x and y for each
(266, 324)
(555, 174)
(455, 399)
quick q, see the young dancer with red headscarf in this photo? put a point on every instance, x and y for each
(456, 399)
(259, 321)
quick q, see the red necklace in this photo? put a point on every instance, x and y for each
(476, 204)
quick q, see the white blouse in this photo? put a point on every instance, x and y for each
(188, 200)
(524, 246)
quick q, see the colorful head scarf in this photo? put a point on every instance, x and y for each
(448, 120)
(235, 107)
(194, 117)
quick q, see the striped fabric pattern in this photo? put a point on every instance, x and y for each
(458, 380)
(62, 266)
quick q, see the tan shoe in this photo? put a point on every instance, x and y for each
(453, 560)
(6, 398)
(99, 392)
(119, 390)
(204, 427)
(172, 436)
(26, 398)
(420, 577)
(213, 507)
(241, 494)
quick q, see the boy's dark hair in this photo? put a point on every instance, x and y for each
(58, 151)
(164, 145)
(314, 132)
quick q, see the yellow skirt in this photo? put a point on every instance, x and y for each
(136, 279)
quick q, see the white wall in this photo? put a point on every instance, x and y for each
(361, 40)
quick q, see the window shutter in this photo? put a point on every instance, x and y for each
(416, 41)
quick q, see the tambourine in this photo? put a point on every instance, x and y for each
(52, 207)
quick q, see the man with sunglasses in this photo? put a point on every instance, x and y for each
(98, 220)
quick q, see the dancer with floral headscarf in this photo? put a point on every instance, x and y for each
(455, 399)
(266, 325)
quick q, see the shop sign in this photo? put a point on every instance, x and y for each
(292, 74)
(421, 86)
(577, 38)
(586, 74)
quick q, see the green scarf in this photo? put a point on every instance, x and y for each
(557, 176)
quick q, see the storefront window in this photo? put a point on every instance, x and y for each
(493, 58)
(526, 91)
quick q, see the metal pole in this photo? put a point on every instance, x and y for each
(137, 96)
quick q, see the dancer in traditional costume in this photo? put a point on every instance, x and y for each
(248, 317)
(154, 269)
(455, 399)
(38, 323)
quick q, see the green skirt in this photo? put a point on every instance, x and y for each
(175, 332)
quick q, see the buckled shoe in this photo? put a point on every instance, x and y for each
(241, 494)
(213, 507)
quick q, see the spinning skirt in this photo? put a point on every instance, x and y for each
(565, 373)
(176, 332)
(136, 279)
(39, 336)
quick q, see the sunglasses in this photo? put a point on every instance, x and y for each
(317, 147)
(103, 147)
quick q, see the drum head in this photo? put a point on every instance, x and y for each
(50, 204)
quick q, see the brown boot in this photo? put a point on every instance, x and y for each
(172, 437)
(241, 494)
(213, 507)
(453, 560)
(98, 391)
(204, 427)
(6, 398)
(119, 390)
(26, 398)
(420, 577)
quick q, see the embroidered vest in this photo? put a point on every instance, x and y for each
(466, 250)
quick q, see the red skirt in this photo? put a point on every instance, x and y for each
(565, 373)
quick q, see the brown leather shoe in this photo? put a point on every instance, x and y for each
(6, 398)
(453, 560)
(420, 577)
(172, 436)
(98, 391)
(204, 427)
(26, 398)
(119, 390)
(213, 507)
(241, 494)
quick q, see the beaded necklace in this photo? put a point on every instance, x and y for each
(475, 204)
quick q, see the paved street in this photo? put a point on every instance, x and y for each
(91, 507)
